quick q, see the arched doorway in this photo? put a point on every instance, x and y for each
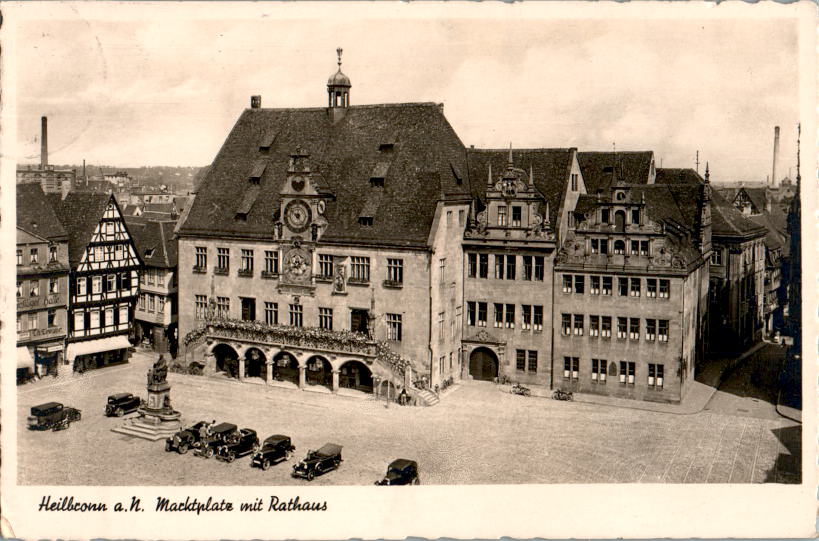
(319, 372)
(255, 364)
(286, 367)
(356, 375)
(483, 364)
(227, 360)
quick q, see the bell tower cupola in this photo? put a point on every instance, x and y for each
(338, 91)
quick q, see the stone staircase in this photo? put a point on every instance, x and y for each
(428, 397)
(140, 428)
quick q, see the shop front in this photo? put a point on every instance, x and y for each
(98, 353)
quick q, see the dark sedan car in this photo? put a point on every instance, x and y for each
(53, 416)
(318, 462)
(185, 439)
(238, 445)
(276, 449)
(401, 472)
(121, 403)
(218, 435)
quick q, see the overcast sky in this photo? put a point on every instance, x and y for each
(135, 93)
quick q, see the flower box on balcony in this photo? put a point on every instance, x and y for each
(323, 278)
(199, 270)
(357, 282)
(245, 273)
(222, 271)
(270, 275)
(392, 284)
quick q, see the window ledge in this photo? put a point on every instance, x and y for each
(357, 282)
(244, 273)
(324, 279)
(199, 270)
(270, 275)
(392, 284)
(222, 271)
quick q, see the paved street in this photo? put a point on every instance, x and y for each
(476, 435)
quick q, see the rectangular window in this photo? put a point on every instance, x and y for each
(516, 216)
(160, 304)
(52, 253)
(665, 289)
(271, 262)
(598, 371)
(19, 257)
(520, 360)
(34, 288)
(651, 288)
(483, 265)
(595, 246)
(94, 321)
(605, 326)
(79, 321)
(248, 308)
(483, 308)
(622, 328)
(442, 271)
(622, 287)
(655, 376)
(222, 307)
(123, 314)
(143, 277)
(498, 315)
(532, 361)
(35, 255)
(605, 216)
(567, 283)
(223, 259)
(579, 284)
(19, 289)
(607, 285)
(441, 326)
(296, 315)
(635, 216)
(539, 260)
(160, 277)
(110, 282)
(394, 327)
(635, 287)
(271, 313)
(634, 328)
(125, 280)
(247, 260)
(151, 303)
(53, 286)
(32, 321)
(635, 247)
(643, 247)
(142, 304)
(52, 318)
(150, 276)
(201, 257)
(594, 285)
(395, 270)
(571, 367)
(501, 214)
(471, 313)
(96, 284)
(525, 316)
(326, 318)
(472, 265)
(651, 329)
(574, 182)
(537, 318)
(577, 325)
(594, 326)
(511, 267)
(619, 247)
(627, 372)
(566, 324)
(510, 316)
(527, 267)
(604, 246)
(662, 330)
(499, 266)
(716, 257)
(360, 269)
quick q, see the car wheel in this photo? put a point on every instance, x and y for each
(209, 452)
(336, 463)
(79, 416)
(119, 412)
(183, 448)
(265, 465)
(310, 475)
(168, 447)
(231, 456)
(288, 455)
(416, 481)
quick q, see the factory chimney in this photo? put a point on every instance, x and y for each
(44, 143)
(775, 156)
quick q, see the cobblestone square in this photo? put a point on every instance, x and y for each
(476, 435)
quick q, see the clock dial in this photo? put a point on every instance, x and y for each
(298, 215)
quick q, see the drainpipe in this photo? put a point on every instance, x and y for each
(552, 355)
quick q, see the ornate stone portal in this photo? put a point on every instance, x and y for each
(157, 418)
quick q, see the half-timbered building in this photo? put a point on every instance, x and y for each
(103, 282)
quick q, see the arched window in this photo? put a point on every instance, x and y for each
(620, 221)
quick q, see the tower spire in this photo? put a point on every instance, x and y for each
(489, 176)
(798, 143)
(510, 153)
(707, 174)
(338, 52)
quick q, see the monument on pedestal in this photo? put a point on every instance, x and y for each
(157, 418)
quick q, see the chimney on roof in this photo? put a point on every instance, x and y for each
(775, 156)
(255, 102)
(44, 142)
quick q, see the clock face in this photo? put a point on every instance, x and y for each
(297, 214)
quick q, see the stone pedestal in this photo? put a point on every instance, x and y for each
(157, 419)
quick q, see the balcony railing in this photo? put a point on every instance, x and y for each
(221, 271)
(245, 273)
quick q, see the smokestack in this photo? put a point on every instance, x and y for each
(44, 142)
(775, 156)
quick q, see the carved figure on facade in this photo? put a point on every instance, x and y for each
(477, 227)
(339, 281)
(297, 265)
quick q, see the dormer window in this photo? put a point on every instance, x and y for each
(149, 252)
(574, 182)
(267, 141)
(366, 221)
(386, 146)
(377, 182)
(257, 172)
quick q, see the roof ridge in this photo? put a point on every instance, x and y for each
(362, 106)
(530, 149)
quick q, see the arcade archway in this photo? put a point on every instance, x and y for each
(319, 372)
(255, 364)
(286, 367)
(227, 360)
(356, 375)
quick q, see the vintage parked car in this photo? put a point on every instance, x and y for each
(319, 462)
(244, 443)
(401, 472)
(276, 449)
(185, 439)
(121, 403)
(52, 415)
(218, 435)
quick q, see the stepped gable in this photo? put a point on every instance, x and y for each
(35, 214)
(413, 143)
(550, 168)
(79, 213)
(601, 169)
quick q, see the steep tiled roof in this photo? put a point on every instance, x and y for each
(668, 175)
(79, 213)
(757, 197)
(35, 215)
(154, 241)
(727, 221)
(600, 169)
(345, 153)
(166, 208)
(550, 170)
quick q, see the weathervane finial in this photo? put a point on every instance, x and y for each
(338, 52)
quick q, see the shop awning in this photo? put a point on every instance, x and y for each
(24, 359)
(96, 346)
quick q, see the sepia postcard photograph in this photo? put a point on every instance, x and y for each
(536, 266)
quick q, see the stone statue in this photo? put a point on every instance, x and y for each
(159, 372)
(339, 283)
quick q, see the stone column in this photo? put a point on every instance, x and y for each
(302, 377)
(241, 369)
(268, 374)
(376, 386)
(335, 381)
